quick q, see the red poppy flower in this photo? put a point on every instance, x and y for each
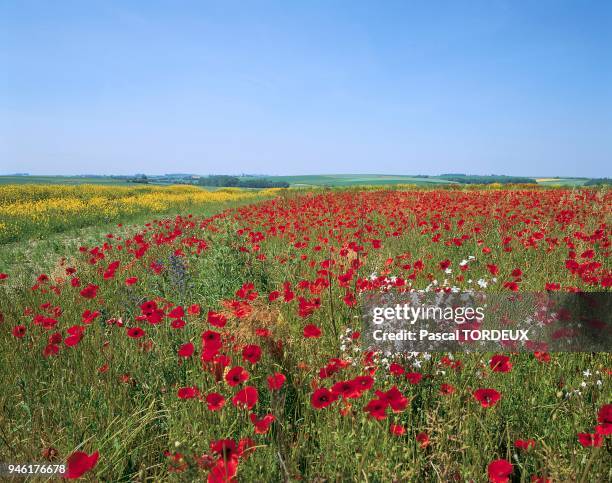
(513, 286)
(322, 398)
(19, 331)
(90, 291)
(251, 353)
(73, 339)
(394, 398)
(396, 369)
(176, 313)
(524, 444)
(188, 392)
(312, 331)
(50, 350)
(211, 343)
(587, 440)
(135, 332)
(377, 408)
(364, 382)
(414, 377)
(216, 319)
(193, 309)
(276, 381)
(236, 375)
(347, 389)
(79, 463)
(262, 425)
(215, 401)
(604, 415)
(246, 397)
(131, 281)
(88, 316)
(178, 324)
(423, 439)
(500, 363)
(186, 350)
(446, 389)
(397, 429)
(487, 397)
(499, 471)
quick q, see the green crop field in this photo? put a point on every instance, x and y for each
(355, 180)
(67, 180)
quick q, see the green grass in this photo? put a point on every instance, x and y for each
(356, 180)
(65, 180)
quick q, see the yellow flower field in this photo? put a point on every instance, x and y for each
(27, 210)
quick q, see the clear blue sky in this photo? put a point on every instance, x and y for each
(306, 87)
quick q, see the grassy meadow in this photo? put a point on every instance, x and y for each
(176, 334)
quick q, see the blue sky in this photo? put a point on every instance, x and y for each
(306, 87)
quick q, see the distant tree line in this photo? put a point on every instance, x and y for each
(488, 179)
(233, 181)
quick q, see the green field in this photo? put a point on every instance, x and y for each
(294, 181)
(67, 180)
(355, 179)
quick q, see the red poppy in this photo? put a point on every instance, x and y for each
(79, 463)
(215, 401)
(262, 425)
(236, 375)
(377, 408)
(347, 389)
(499, 471)
(524, 444)
(135, 332)
(188, 392)
(312, 331)
(487, 397)
(446, 389)
(322, 398)
(423, 439)
(251, 353)
(396, 369)
(131, 281)
(246, 397)
(176, 313)
(186, 350)
(500, 363)
(276, 381)
(216, 319)
(587, 440)
(397, 429)
(193, 309)
(19, 331)
(414, 377)
(394, 398)
(90, 291)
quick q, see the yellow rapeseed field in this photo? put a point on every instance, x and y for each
(37, 209)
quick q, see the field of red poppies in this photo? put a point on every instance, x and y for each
(228, 348)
